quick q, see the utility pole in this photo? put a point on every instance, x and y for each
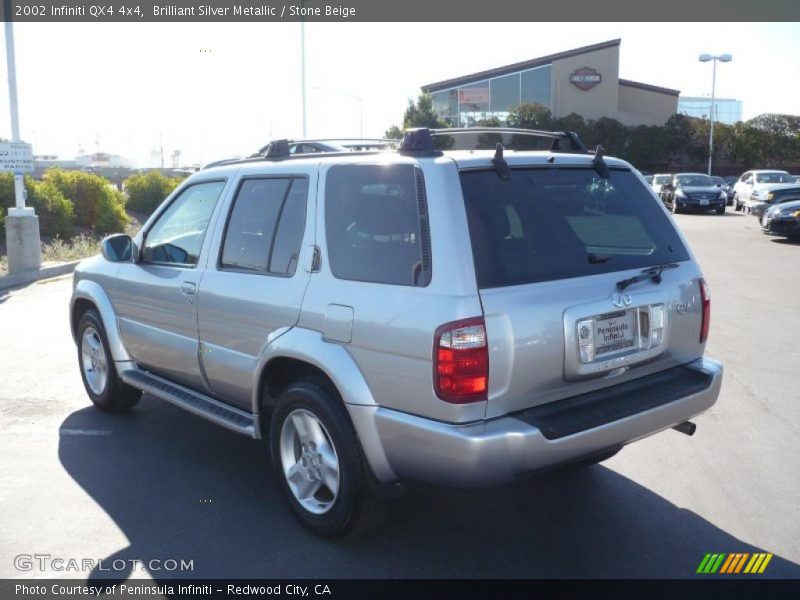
(23, 242)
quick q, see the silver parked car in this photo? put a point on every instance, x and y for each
(461, 318)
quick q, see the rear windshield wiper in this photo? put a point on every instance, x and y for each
(653, 273)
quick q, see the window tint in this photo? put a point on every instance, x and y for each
(286, 249)
(376, 224)
(546, 224)
(262, 207)
(177, 236)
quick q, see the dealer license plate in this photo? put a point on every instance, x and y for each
(614, 333)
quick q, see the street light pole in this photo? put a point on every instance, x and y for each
(303, 68)
(714, 59)
(23, 241)
(19, 182)
(360, 107)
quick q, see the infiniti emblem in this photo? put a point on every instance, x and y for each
(621, 300)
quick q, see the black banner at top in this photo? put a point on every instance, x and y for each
(141, 11)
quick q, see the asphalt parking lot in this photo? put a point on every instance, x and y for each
(160, 483)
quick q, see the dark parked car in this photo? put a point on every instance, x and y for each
(782, 220)
(725, 187)
(694, 192)
(773, 198)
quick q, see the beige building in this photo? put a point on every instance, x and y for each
(585, 81)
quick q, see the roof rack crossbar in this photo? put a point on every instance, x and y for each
(572, 139)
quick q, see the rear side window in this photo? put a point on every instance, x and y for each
(266, 226)
(557, 223)
(376, 224)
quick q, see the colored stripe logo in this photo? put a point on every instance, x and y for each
(735, 562)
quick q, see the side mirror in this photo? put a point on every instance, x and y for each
(117, 247)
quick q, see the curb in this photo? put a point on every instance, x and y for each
(45, 272)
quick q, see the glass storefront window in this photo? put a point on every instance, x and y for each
(536, 86)
(445, 103)
(505, 93)
(474, 97)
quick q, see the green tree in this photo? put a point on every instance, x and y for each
(97, 204)
(56, 216)
(146, 191)
(530, 116)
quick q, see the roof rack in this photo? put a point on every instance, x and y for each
(419, 142)
(280, 148)
(416, 142)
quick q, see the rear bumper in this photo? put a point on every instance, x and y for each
(407, 447)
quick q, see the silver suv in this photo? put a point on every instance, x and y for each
(461, 317)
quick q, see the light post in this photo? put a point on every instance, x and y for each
(360, 106)
(714, 58)
(23, 242)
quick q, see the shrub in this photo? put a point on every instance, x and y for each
(97, 204)
(146, 191)
(56, 216)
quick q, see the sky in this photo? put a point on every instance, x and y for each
(214, 90)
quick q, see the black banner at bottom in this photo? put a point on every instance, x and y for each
(405, 589)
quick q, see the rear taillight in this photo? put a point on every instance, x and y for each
(461, 361)
(705, 297)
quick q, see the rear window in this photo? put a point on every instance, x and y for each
(558, 223)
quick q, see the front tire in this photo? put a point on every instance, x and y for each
(720, 210)
(100, 378)
(318, 460)
(736, 206)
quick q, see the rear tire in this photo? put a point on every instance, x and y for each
(736, 206)
(317, 458)
(99, 374)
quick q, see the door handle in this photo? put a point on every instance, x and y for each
(188, 288)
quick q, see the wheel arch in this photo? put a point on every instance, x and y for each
(301, 353)
(87, 295)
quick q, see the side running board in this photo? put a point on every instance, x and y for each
(199, 404)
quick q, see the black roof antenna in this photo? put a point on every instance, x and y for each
(500, 164)
(600, 165)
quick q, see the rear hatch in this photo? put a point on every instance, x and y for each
(550, 245)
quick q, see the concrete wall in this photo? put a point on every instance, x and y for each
(644, 107)
(600, 101)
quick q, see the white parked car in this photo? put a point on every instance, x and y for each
(660, 179)
(754, 186)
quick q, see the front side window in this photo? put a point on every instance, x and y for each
(177, 236)
(376, 224)
(266, 226)
(548, 224)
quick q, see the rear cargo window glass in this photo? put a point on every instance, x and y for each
(376, 224)
(547, 224)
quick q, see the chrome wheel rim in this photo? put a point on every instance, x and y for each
(309, 460)
(94, 361)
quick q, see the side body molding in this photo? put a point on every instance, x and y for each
(92, 291)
